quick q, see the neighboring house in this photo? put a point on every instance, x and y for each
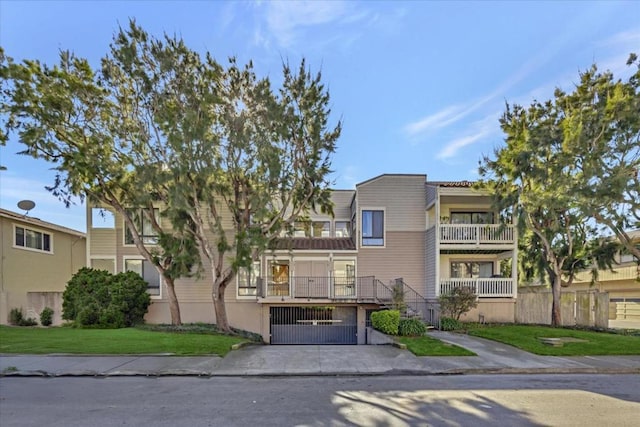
(37, 259)
(392, 233)
(622, 283)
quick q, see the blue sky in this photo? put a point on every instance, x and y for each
(419, 85)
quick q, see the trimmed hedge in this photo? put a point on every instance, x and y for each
(386, 321)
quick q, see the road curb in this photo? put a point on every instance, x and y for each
(193, 373)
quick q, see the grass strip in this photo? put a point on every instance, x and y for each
(427, 346)
(528, 338)
(29, 340)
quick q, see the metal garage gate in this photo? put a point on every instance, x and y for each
(314, 325)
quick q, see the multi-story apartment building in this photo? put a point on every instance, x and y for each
(394, 234)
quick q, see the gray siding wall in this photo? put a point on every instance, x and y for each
(432, 193)
(403, 256)
(402, 197)
(342, 204)
(430, 263)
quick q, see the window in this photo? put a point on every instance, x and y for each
(471, 269)
(343, 229)
(372, 228)
(278, 279)
(321, 229)
(471, 217)
(248, 280)
(32, 239)
(301, 229)
(102, 218)
(147, 271)
(147, 234)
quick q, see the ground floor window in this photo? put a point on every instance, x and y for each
(471, 269)
(248, 280)
(147, 271)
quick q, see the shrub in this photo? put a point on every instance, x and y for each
(16, 318)
(449, 324)
(457, 302)
(411, 327)
(386, 321)
(97, 298)
(46, 317)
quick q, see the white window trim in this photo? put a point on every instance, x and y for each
(452, 260)
(38, 230)
(334, 223)
(250, 297)
(343, 258)
(93, 227)
(134, 257)
(111, 257)
(124, 232)
(384, 227)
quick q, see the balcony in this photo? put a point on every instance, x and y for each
(472, 234)
(360, 289)
(485, 288)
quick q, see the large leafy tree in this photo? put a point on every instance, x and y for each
(70, 115)
(541, 176)
(601, 127)
(231, 162)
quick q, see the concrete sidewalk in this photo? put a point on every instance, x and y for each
(258, 360)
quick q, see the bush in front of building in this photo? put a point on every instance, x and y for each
(99, 299)
(386, 321)
(16, 318)
(46, 317)
(450, 324)
(458, 301)
(411, 327)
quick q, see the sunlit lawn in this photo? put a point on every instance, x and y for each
(427, 346)
(33, 340)
(527, 337)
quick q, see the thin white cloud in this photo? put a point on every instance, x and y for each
(629, 38)
(479, 130)
(286, 20)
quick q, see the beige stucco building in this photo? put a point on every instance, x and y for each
(37, 259)
(320, 286)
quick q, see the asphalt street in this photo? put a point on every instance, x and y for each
(437, 400)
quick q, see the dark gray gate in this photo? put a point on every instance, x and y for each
(314, 325)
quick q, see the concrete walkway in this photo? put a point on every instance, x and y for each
(258, 360)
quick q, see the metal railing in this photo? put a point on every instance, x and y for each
(476, 234)
(490, 287)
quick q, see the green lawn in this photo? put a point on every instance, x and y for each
(526, 337)
(27, 340)
(427, 346)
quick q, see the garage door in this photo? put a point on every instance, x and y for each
(313, 325)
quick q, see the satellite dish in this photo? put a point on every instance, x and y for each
(26, 205)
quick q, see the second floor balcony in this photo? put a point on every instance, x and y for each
(476, 234)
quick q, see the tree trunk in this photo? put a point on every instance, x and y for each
(556, 317)
(220, 282)
(174, 307)
(220, 308)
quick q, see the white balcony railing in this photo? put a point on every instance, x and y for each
(476, 234)
(490, 287)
